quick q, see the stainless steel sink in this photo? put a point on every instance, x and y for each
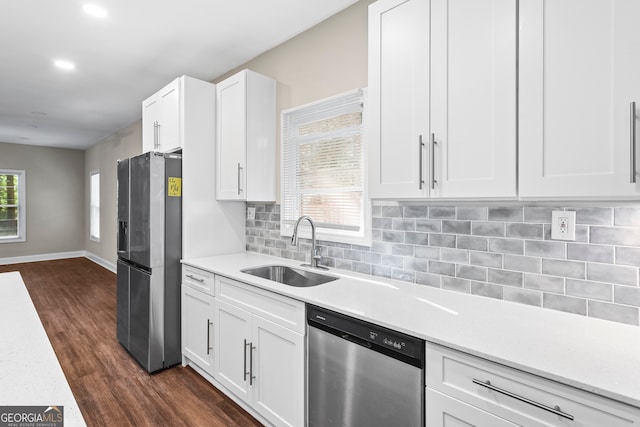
(289, 275)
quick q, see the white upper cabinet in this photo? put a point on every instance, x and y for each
(442, 98)
(246, 137)
(398, 102)
(473, 98)
(579, 69)
(161, 119)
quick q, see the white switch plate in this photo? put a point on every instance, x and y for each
(563, 225)
(251, 213)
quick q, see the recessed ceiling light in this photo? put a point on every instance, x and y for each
(95, 10)
(64, 64)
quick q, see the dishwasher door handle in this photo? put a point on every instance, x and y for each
(356, 340)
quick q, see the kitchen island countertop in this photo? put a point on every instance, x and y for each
(594, 355)
(30, 374)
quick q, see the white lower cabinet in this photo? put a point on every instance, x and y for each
(197, 328)
(445, 411)
(197, 319)
(259, 350)
(466, 390)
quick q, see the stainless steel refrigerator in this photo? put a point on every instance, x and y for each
(149, 252)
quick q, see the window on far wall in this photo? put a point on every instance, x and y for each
(13, 198)
(323, 169)
(94, 207)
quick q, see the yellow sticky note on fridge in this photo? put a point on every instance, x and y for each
(174, 187)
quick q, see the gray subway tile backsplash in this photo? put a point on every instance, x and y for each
(614, 312)
(500, 252)
(594, 216)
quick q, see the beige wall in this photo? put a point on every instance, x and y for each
(103, 157)
(55, 199)
(325, 60)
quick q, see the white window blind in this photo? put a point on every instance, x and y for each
(94, 207)
(12, 206)
(323, 167)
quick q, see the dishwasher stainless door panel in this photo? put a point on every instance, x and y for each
(353, 386)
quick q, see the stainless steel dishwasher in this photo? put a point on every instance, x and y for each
(361, 374)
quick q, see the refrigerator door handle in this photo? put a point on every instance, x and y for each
(123, 237)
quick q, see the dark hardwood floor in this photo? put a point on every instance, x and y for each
(76, 301)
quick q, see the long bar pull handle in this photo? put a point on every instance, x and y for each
(433, 161)
(632, 138)
(239, 175)
(245, 360)
(158, 133)
(190, 276)
(421, 148)
(556, 410)
(251, 376)
(209, 348)
(155, 135)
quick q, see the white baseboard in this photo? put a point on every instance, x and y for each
(41, 257)
(59, 255)
(101, 261)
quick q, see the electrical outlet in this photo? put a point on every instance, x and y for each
(251, 213)
(563, 225)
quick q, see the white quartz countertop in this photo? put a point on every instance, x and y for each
(591, 354)
(30, 374)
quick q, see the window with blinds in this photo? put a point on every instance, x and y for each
(12, 206)
(94, 206)
(323, 168)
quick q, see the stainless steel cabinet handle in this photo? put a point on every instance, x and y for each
(421, 178)
(251, 376)
(433, 161)
(155, 135)
(159, 133)
(556, 410)
(195, 278)
(239, 175)
(209, 348)
(245, 360)
(632, 138)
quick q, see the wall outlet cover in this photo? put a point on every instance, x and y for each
(563, 225)
(251, 213)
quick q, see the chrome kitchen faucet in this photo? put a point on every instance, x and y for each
(315, 251)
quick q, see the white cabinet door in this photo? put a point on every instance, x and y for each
(161, 118)
(246, 137)
(197, 327)
(398, 101)
(231, 137)
(151, 116)
(444, 411)
(473, 97)
(232, 348)
(579, 66)
(169, 138)
(279, 385)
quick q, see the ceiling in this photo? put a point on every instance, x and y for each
(125, 57)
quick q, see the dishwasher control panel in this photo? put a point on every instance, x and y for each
(365, 333)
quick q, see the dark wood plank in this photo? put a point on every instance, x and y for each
(76, 301)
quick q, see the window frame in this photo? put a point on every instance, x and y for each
(22, 205)
(93, 237)
(363, 236)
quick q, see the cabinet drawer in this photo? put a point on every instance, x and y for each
(445, 411)
(279, 309)
(198, 279)
(518, 396)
